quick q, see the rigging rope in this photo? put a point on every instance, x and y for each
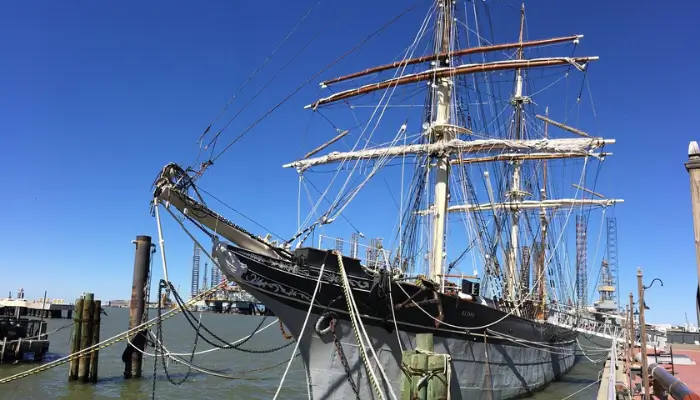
(352, 311)
(212, 143)
(245, 83)
(341, 201)
(303, 329)
(284, 100)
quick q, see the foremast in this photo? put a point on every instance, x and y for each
(440, 133)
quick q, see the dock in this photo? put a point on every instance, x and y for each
(689, 373)
(681, 364)
(614, 379)
(50, 308)
(672, 375)
(22, 339)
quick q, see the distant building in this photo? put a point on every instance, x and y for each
(118, 303)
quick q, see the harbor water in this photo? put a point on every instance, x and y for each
(241, 383)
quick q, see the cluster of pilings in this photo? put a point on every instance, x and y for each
(86, 333)
(86, 319)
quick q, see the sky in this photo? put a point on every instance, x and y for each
(98, 97)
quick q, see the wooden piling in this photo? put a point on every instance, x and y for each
(419, 364)
(75, 340)
(94, 356)
(437, 381)
(424, 342)
(133, 358)
(406, 376)
(86, 337)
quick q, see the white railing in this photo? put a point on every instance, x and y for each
(589, 326)
(611, 373)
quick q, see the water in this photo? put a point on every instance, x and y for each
(178, 336)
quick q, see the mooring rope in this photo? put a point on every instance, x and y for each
(352, 311)
(199, 353)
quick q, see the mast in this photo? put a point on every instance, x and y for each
(443, 100)
(515, 193)
(541, 281)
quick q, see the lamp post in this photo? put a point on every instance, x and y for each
(643, 329)
(629, 340)
(630, 330)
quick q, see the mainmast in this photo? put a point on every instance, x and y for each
(515, 193)
(438, 133)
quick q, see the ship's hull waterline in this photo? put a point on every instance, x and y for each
(510, 358)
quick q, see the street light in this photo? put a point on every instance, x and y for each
(652, 283)
(643, 328)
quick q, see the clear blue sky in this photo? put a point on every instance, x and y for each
(98, 96)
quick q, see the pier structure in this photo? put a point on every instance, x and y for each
(662, 374)
(22, 339)
(671, 374)
(36, 308)
(641, 365)
(614, 384)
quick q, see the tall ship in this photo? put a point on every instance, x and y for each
(454, 143)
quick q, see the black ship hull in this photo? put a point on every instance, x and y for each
(494, 353)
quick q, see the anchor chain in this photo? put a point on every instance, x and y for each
(225, 345)
(285, 335)
(343, 359)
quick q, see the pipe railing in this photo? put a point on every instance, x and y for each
(666, 382)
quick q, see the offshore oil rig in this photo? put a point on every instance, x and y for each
(228, 299)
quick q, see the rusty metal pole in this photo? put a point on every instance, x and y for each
(693, 168)
(133, 358)
(643, 334)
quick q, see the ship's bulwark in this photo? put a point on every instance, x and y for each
(503, 365)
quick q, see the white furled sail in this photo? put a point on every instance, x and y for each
(573, 146)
